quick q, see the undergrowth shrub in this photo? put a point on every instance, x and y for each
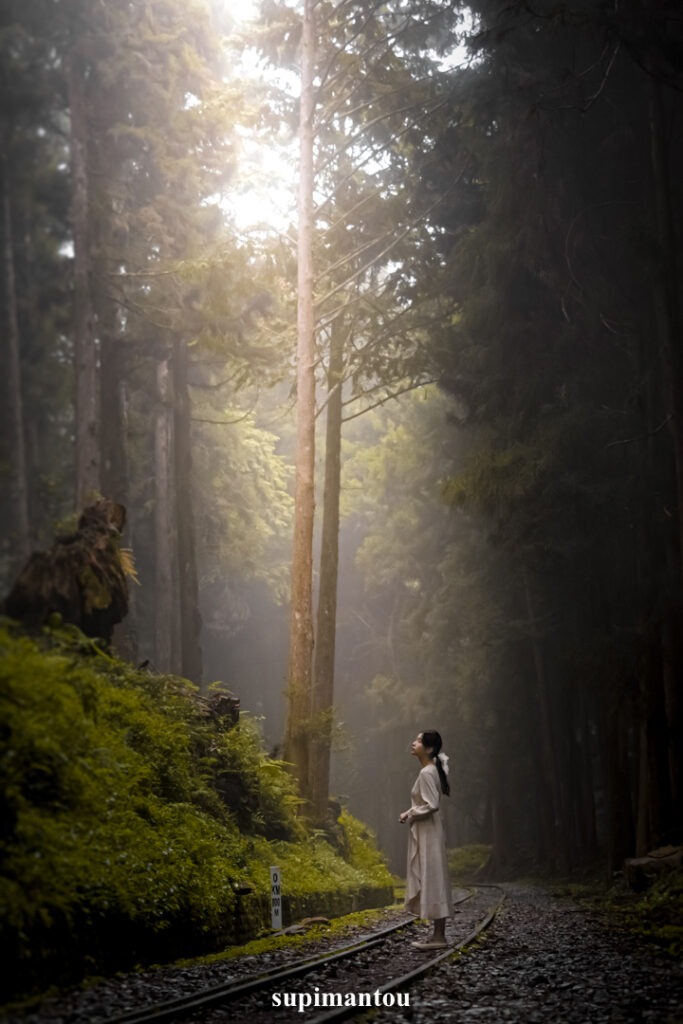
(657, 915)
(465, 862)
(360, 846)
(132, 820)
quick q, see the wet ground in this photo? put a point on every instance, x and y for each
(545, 960)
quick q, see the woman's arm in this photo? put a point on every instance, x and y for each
(429, 797)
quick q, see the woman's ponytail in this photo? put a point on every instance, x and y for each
(445, 788)
(432, 741)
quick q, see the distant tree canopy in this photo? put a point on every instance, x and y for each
(561, 246)
(131, 306)
(496, 287)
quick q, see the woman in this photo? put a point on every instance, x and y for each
(428, 887)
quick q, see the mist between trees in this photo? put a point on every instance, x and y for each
(489, 339)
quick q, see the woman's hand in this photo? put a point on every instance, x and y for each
(403, 817)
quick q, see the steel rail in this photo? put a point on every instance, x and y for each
(226, 992)
(404, 980)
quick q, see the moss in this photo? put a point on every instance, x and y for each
(655, 917)
(132, 820)
(464, 862)
(338, 927)
(361, 849)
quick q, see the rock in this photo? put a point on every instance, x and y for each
(640, 872)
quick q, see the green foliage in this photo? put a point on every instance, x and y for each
(360, 843)
(260, 791)
(495, 477)
(657, 916)
(342, 928)
(245, 510)
(465, 861)
(132, 816)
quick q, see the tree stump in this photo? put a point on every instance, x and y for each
(643, 871)
(81, 578)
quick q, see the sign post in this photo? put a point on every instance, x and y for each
(275, 898)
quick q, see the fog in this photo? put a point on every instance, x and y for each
(492, 327)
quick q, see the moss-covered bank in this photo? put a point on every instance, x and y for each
(137, 827)
(655, 916)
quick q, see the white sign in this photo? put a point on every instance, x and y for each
(275, 898)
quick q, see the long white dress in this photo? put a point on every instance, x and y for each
(428, 887)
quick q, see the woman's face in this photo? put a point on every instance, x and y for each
(416, 747)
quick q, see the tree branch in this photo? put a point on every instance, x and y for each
(643, 437)
(422, 216)
(223, 423)
(390, 395)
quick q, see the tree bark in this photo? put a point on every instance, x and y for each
(299, 674)
(114, 453)
(586, 809)
(15, 402)
(556, 825)
(326, 623)
(85, 351)
(188, 585)
(113, 410)
(643, 823)
(164, 575)
(671, 660)
(655, 742)
(667, 287)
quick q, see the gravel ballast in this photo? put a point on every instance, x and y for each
(544, 960)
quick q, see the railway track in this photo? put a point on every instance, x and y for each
(334, 986)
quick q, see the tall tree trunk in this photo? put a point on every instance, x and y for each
(14, 390)
(85, 351)
(300, 668)
(667, 288)
(164, 575)
(643, 824)
(609, 734)
(655, 753)
(547, 736)
(188, 585)
(503, 860)
(586, 809)
(671, 668)
(326, 623)
(661, 573)
(114, 453)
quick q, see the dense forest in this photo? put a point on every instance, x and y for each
(454, 376)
